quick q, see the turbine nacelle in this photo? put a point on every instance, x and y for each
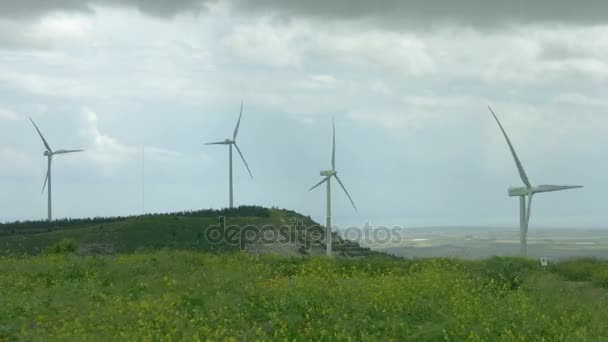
(329, 173)
(47, 153)
(519, 191)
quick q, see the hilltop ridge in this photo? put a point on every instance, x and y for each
(254, 229)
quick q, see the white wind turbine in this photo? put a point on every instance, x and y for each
(328, 174)
(49, 153)
(230, 143)
(527, 191)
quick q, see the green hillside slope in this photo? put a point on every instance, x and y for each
(255, 229)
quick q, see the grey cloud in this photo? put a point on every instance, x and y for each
(413, 13)
(18, 17)
(424, 13)
(35, 8)
(15, 41)
(563, 50)
(32, 9)
(162, 8)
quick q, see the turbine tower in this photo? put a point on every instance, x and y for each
(327, 175)
(49, 153)
(230, 143)
(528, 191)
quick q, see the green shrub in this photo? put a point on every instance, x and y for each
(601, 278)
(580, 270)
(65, 246)
(507, 271)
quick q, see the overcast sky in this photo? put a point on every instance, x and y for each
(408, 83)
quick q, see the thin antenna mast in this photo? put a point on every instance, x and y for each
(143, 180)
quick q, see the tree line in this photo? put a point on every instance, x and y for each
(32, 227)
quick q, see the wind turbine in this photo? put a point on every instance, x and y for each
(230, 143)
(528, 191)
(327, 175)
(49, 153)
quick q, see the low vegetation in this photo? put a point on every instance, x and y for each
(157, 278)
(170, 295)
(178, 231)
(34, 227)
(189, 231)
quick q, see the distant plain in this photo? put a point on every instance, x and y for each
(484, 242)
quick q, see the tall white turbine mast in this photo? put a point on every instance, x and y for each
(327, 175)
(230, 143)
(528, 191)
(49, 153)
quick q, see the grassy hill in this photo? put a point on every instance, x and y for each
(291, 234)
(179, 295)
(167, 277)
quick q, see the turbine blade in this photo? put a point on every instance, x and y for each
(67, 151)
(346, 192)
(520, 168)
(46, 179)
(318, 184)
(238, 124)
(242, 157)
(217, 143)
(333, 151)
(46, 144)
(551, 188)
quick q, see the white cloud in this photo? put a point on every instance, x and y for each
(7, 114)
(390, 119)
(539, 55)
(535, 70)
(579, 99)
(265, 44)
(380, 87)
(297, 43)
(324, 79)
(63, 28)
(111, 154)
(415, 112)
(49, 32)
(19, 36)
(440, 102)
(42, 84)
(162, 155)
(105, 151)
(318, 82)
(15, 163)
(386, 50)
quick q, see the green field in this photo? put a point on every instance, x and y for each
(157, 278)
(169, 295)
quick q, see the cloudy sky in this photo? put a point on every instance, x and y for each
(408, 83)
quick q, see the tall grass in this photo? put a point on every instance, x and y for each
(168, 295)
